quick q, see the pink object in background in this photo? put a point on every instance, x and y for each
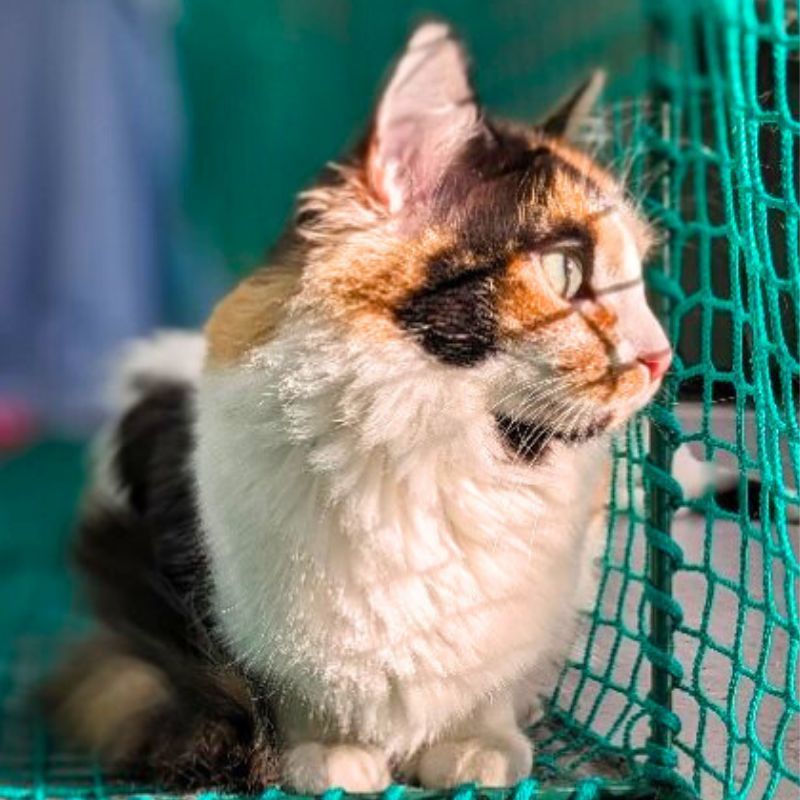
(17, 423)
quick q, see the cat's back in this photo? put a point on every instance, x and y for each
(250, 314)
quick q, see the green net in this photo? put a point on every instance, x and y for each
(686, 679)
(728, 80)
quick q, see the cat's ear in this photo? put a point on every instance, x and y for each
(427, 112)
(567, 118)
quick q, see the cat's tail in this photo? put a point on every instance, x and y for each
(131, 714)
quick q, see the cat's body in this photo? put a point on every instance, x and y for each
(397, 568)
(369, 501)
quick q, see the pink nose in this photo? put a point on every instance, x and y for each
(657, 363)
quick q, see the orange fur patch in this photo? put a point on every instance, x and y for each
(250, 314)
(585, 166)
(364, 286)
(570, 200)
(574, 199)
(524, 304)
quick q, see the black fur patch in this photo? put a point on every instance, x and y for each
(145, 567)
(485, 195)
(453, 316)
(526, 440)
(531, 441)
(154, 446)
(148, 580)
(484, 198)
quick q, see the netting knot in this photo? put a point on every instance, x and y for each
(466, 791)
(588, 789)
(526, 790)
(660, 282)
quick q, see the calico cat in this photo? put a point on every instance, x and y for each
(340, 538)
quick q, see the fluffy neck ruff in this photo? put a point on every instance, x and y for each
(361, 427)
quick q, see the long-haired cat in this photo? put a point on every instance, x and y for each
(340, 538)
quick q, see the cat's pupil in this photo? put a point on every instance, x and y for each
(572, 276)
(568, 272)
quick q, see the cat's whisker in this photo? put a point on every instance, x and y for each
(534, 439)
(533, 392)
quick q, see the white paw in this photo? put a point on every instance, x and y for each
(499, 761)
(312, 768)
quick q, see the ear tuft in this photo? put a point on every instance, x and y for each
(427, 112)
(571, 112)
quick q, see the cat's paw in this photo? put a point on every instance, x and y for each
(490, 761)
(312, 768)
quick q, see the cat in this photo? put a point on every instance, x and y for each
(340, 538)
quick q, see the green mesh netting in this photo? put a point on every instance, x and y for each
(686, 681)
(731, 280)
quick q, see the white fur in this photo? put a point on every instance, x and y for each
(173, 355)
(168, 355)
(637, 327)
(377, 554)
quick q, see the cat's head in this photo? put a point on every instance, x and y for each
(486, 247)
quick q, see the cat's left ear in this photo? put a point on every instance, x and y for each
(427, 112)
(566, 120)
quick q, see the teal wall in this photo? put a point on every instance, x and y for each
(275, 88)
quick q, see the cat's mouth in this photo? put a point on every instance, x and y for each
(531, 440)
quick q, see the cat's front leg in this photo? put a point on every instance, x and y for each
(487, 748)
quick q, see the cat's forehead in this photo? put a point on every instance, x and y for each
(518, 189)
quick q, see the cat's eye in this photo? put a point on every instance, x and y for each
(563, 271)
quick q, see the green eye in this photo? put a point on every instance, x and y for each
(563, 272)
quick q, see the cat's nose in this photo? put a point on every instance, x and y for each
(657, 363)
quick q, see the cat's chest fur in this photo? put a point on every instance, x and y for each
(383, 559)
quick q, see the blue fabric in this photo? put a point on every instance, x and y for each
(89, 160)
